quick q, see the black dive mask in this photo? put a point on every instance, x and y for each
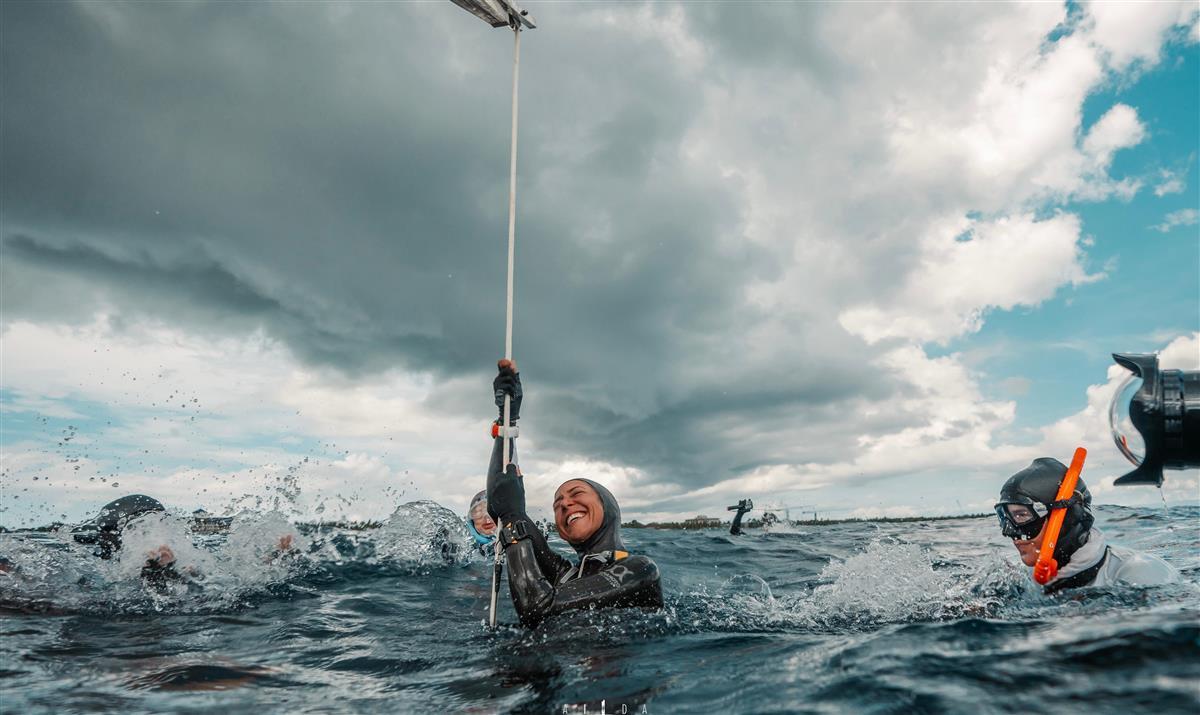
(1021, 520)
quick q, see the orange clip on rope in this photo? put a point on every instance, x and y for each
(1047, 568)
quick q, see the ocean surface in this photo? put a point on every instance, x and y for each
(917, 617)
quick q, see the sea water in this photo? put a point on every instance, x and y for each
(925, 616)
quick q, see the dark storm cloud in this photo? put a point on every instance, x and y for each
(782, 34)
(336, 175)
(207, 294)
(209, 284)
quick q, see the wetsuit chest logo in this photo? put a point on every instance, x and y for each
(617, 574)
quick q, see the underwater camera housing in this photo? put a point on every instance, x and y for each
(743, 505)
(1155, 418)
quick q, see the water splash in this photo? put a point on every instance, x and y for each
(162, 566)
(263, 538)
(161, 537)
(888, 582)
(423, 534)
(783, 527)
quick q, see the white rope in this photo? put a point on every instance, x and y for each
(512, 224)
(508, 312)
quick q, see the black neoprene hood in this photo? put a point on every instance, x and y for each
(1038, 483)
(608, 536)
(105, 528)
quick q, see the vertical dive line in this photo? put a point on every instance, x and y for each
(512, 225)
(508, 308)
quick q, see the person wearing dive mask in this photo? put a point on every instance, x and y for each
(1084, 558)
(587, 517)
(480, 524)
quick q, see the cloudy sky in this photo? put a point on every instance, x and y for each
(853, 258)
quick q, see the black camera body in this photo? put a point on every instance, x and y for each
(1165, 410)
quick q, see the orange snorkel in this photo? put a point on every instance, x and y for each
(1047, 567)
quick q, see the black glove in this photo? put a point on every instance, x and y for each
(508, 383)
(506, 497)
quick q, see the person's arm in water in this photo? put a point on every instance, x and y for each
(160, 568)
(742, 507)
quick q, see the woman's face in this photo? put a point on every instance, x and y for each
(578, 511)
(482, 521)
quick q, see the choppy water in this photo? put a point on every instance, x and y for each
(913, 617)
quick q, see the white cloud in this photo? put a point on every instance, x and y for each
(203, 422)
(1005, 263)
(1182, 217)
(1128, 32)
(952, 429)
(1000, 132)
(1170, 182)
(1119, 128)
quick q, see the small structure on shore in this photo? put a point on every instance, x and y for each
(701, 522)
(205, 523)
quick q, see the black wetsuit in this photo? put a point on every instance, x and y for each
(543, 583)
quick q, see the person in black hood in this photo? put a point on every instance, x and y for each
(1083, 556)
(104, 532)
(587, 517)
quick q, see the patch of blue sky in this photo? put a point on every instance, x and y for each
(1046, 356)
(113, 441)
(38, 419)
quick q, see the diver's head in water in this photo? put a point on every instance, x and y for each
(479, 522)
(105, 529)
(1024, 504)
(587, 516)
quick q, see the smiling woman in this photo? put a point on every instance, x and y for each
(588, 517)
(578, 511)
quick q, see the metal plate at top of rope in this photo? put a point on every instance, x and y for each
(497, 13)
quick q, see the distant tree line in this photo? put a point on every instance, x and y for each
(757, 523)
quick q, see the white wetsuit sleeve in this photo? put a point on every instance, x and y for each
(1137, 569)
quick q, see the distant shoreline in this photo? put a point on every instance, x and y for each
(758, 524)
